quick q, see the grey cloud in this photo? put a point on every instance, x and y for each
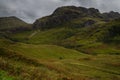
(103, 5)
(29, 10)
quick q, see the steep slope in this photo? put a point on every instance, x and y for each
(110, 32)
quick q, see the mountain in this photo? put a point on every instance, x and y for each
(73, 43)
(68, 13)
(76, 28)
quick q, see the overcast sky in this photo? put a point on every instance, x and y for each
(29, 10)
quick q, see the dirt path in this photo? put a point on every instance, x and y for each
(34, 33)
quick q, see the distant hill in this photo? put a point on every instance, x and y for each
(11, 22)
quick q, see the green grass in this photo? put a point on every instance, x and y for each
(4, 76)
(45, 51)
(56, 62)
(82, 39)
(50, 36)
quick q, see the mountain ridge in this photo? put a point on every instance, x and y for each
(67, 13)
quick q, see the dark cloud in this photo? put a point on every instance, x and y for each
(29, 10)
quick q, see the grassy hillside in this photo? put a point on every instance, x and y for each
(74, 43)
(24, 61)
(89, 40)
(45, 51)
(111, 32)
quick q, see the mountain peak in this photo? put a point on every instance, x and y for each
(68, 13)
(74, 9)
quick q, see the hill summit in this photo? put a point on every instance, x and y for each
(10, 22)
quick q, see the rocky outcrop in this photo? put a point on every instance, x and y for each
(67, 13)
(111, 15)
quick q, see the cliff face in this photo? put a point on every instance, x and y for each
(65, 14)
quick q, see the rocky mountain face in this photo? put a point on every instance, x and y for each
(68, 13)
(95, 25)
(111, 15)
